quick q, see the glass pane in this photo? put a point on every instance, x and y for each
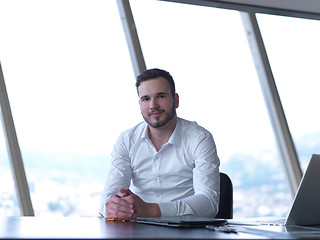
(206, 51)
(293, 50)
(8, 197)
(69, 78)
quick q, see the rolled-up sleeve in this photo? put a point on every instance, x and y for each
(119, 175)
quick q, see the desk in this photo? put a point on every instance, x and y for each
(97, 228)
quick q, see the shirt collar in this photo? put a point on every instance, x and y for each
(175, 138)
(145, 131)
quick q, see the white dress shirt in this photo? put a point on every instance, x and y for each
(182, 177)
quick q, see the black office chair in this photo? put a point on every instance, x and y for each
(226, 197)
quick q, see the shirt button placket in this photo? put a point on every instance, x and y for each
(156, 178)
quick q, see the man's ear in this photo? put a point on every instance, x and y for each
(176, 99)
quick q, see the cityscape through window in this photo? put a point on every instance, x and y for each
(71, 89)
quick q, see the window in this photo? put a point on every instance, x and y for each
(71, 89)
(206, 51)
(293, 51)
(8, 198)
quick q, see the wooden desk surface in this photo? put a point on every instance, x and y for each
(98, 228)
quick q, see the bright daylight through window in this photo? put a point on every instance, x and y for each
(65, 78)
(71, 88)
(8, 198)
(295, 42)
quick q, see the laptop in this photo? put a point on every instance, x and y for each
(182, 221)
(305, 209)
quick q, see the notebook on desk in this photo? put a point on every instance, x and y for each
(305, 209)
(183, 221)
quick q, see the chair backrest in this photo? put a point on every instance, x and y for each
(226, 197)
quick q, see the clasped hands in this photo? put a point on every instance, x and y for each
(126, 204)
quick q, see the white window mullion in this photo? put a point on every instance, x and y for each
(132, 38)
(14, 152)
(277, 117)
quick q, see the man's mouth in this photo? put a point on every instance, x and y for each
(155, 113)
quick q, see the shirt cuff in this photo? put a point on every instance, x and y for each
(102, 211)
(167, 209)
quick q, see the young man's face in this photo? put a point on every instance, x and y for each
(157, 105)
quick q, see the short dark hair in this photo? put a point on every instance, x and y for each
(155, 73)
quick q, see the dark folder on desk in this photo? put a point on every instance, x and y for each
(183, 221)
(305, 209)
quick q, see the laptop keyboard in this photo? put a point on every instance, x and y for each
(274, 221)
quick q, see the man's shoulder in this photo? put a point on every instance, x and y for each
(137, 130)
(192, 134)
(192, 127)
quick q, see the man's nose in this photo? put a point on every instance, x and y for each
(154, 102)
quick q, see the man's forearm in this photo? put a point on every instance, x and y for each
(196, 205)
(154, 210)
(141, 208)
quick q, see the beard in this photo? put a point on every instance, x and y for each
(158, 123)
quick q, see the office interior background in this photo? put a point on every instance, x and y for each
(69, 77)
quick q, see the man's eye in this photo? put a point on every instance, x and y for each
(144, 99)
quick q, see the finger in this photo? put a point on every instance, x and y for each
(127, 190)
(114, 209)
(121, 202)
(123, 192)
(111, 213)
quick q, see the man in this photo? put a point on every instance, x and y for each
(170, 164)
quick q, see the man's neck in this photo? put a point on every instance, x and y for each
(160, 136)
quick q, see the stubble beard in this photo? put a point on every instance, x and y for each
(158, 124)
